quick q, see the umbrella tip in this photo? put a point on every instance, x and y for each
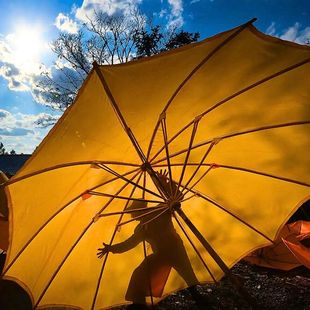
(253, 20)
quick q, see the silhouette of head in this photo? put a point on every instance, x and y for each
(136, 205)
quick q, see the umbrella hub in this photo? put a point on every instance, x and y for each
(173, 204)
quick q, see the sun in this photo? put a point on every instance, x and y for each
(27, 44)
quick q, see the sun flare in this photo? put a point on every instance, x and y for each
(27, 45)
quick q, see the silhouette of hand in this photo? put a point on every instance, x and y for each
(102, 251)
(162, 175)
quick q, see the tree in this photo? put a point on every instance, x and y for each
(107, 40)
(181, 38)
(2, 149)
(12, 152)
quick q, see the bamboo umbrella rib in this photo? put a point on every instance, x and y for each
(52, 217)
(266, 175)
(144, 249)
(121, 197)
(199, 165)
(205, 243)
(119, 114)
(212, 201)
(110, 243)
(131, 210)
(218, 166)
(217, 258)
(66, 165)
(165, 135)
(234, 134)
(76, 242)
(165, 209)
(195, 69)
(197, 181)
(194, 247)
(236, 94)
(126, 180)
(144, 215)
(191, 141)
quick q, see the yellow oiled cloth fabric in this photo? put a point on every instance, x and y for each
(241, 97)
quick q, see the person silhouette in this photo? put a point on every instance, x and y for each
(168, 251)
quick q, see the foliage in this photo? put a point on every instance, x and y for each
(106, 40)
(4, 152)
(2, 149)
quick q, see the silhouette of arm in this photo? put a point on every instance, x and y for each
(129, 243)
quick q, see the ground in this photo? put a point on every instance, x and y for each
(271, 289)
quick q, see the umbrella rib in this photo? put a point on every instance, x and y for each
(197, 181)
(194, 131)
(131, 210)
(119, 113)
(215, 165)
(104, 167)
(77, 241)
(199, 166)
(216, 257)
(145, 252)
(144, 247)
(120, 197)
(52, 217)
(205, 197)
(143, 215)
(78, 163)
(111, 241)
(231, 135)
(196, 68)
(194, 247)
(265, 174)
(236, 94)
(165, 135)
(165, 209)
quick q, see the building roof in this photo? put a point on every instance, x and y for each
(10, 164)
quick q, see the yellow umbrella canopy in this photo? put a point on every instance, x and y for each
(228, 118)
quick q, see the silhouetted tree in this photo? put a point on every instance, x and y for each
(2, 149)
(106, 40)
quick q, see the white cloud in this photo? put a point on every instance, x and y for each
(64, 23)
(23, 132)
(294, 33)
(109, 7)
(23, 123)
(162, 13)
(194, 1)
(17, 81)
(176, 18)
(271, 30)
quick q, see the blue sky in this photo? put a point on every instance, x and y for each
(28, 26)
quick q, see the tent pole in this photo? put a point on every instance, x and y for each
(234, 280)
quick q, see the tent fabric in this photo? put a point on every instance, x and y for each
(234, 97)
(287, 252)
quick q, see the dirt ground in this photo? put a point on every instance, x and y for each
(271, 289)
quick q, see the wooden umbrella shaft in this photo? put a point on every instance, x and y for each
(234, 280)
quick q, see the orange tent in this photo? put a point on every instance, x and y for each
(288, 251)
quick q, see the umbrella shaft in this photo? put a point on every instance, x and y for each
(234, 280)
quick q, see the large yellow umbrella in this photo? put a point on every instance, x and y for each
(228, 118)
